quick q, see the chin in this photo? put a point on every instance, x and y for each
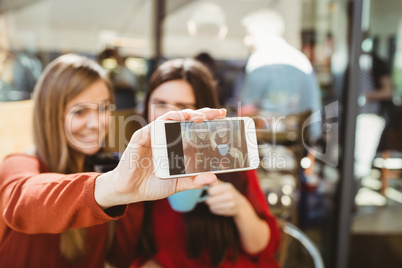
(87, 151)
(90, 151)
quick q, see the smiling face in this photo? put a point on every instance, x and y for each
(201, 130)
(87, 119)
(173, 95)
(222, 129)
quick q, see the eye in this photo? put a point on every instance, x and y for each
(159, 104)
(165, 106)
(185, 106)
(79, 112)
(104, 108)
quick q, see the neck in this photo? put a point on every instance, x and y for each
(79, 161)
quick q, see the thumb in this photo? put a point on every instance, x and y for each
(217, 182)
(198, 182)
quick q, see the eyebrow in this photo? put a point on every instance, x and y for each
(85, 105)
(175, 104)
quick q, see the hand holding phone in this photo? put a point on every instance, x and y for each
(133, 179)
(182, 149)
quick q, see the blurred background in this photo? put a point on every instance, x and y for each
(353, 216)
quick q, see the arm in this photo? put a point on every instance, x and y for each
(385, 91)
(130, 182)
(254, 232)
(257, 199)
(36, 202)
(237, 154)
(213, 142)
(225, 200)
(33, 202)
(126, 236)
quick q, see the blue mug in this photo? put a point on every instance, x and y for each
(185, 201)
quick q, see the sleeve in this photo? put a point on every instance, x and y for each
(257, 199)
(33, 202)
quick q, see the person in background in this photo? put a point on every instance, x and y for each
(222, 89)
(56, 212)
(224, 143)
(233, 227)
(19, 70)
(279, 78)
(197, 142)
(18, 75)
(124, 81)
(375, 87)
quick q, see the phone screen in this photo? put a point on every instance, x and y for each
(207, 146)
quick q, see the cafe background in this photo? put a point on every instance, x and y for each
(354, 222)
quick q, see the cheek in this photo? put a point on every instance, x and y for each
(73, 124)
(155, 112)
(106, 122)
(105, 119)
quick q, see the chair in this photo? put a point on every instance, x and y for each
(290, 234)
(15, 127)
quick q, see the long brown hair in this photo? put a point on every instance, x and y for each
(204, 230)
(62, 80)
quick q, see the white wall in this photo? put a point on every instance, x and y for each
(84, 26)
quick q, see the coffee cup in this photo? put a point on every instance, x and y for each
(185, 201)
(223, 149)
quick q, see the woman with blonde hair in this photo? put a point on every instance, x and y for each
(55, 211)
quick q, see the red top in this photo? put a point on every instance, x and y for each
(36, 207)
(169, 234)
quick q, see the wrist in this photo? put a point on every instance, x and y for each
(103, 193)
(243, 208)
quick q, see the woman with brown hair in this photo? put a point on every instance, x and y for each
(55, 211)
(234, 227)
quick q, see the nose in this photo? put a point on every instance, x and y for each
(93, 120)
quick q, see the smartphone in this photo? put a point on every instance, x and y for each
(181, 149)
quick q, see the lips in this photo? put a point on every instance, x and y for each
(88, 138)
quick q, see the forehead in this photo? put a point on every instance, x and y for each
(95, 93)
(222, 124)
(201, 126)
(175, 91)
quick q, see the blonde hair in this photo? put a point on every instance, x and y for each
(62, 80)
